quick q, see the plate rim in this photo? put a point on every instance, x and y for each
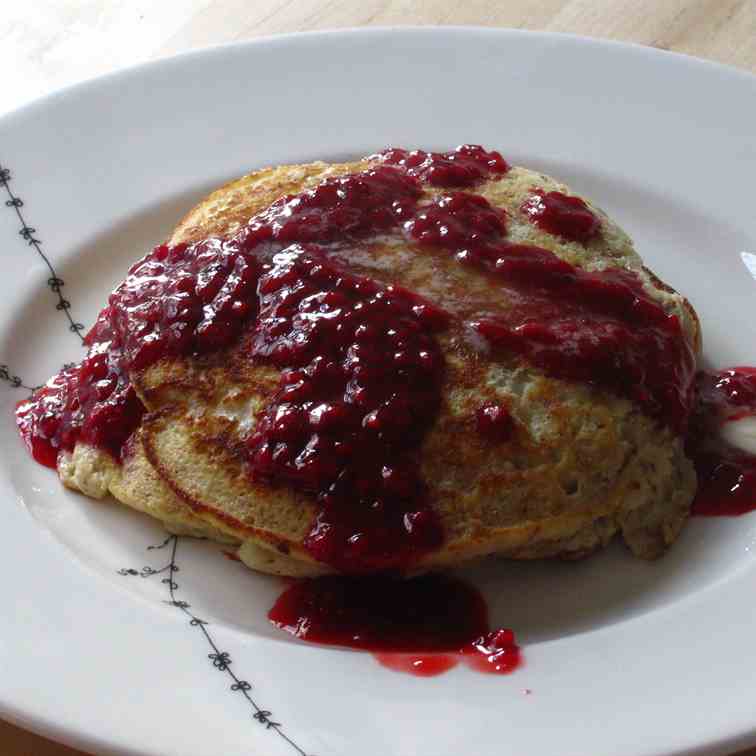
(636, 48)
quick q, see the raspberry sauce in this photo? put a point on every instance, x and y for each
(726, 475)
(561, 215)
(465, 166)
(93, 401)
(600, 327)
(424, 626)
(361, 384)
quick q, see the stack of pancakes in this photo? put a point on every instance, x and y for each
(581, 466)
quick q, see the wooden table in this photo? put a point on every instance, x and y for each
(48, 45)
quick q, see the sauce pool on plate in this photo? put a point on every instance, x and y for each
(424, 626)
(726, 473)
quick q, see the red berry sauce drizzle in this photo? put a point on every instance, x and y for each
(600, 328)
(361, 383)
(362, 375)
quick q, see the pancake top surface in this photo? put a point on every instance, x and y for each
(395, 359)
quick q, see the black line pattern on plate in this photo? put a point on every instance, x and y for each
(28, 233)
(221, 660)
(6, 376)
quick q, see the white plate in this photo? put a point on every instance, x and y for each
(622, 657)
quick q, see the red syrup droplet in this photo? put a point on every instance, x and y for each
(496, 652)
(494, 422)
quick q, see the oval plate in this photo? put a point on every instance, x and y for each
(115, 648)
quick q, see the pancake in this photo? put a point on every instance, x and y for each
(579, 462)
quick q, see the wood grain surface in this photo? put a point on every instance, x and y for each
(48, 44)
